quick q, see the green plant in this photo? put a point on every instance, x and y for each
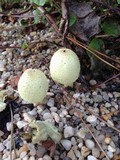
(43, 130)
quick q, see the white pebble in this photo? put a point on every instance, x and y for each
(53, 109)
(107, 105)
(68, 131)
(92, 82)
(25, 158)
(110, 154)
(33, 112)
(51, 102)
(9, 126)
(28, 117)
(21, 124)
(89, 143)
(110, 123)
(96, 152)
(91, 158)
(76, 95)
(66, 144)
(81, 133)
(46, 157)
(7, 144)
(56, 117)
(32, 149)
(111, 149)
(32, 158)
(23, 154)
(1, 147)
(92, 119)
(47, 115)
(63, 113)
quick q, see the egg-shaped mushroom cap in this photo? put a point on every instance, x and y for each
(65, 66)
(33, 86)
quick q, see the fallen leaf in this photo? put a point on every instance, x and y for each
(50, 146)
(14, 81)
(87, 22)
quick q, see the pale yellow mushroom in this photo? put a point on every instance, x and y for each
(33, 86)
(65, 67)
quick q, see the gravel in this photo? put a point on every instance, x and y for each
(89, 143)
(76, 142)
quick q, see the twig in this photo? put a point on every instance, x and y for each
(12, 140)
(49, 18)
(111, 78)
(86, 48)
(90, 111)
(64, 23)
(116, 10)
(15, 14)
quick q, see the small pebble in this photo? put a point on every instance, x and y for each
(21, 124)
(96, 152)
(91, 119)
(110, 154)
(76, 95)
(71, 155)
(32, 149)
(1, 147)
(25, 158)
(110, 123)
(85, 151)
(24, 148)
(68, 131)
(9, 126)
(46, 157)
(92, 82)
(111, 149)
(107, 140)
(81, 133)
(89, 143)
(32, 158)
(91, 158)
(66, 144)
(47, 115)
(23, 154)
(28, 117)
(107, 105)
(51, 102)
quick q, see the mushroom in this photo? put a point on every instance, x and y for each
(65, 67)
(33, 86)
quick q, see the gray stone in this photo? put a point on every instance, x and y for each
(89, 143)
(66, 144)
(71, 155)
(96, 152)
(91, 158)
(68, 131)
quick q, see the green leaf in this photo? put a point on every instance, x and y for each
(111, 28)
(40, 2)
(37, 16)
(118, 1)
(43, 130)
(24, 45)
(96, 44)
(72, 20)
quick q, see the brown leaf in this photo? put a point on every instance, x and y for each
(14, 81)
(50, 146)
(87, 23)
